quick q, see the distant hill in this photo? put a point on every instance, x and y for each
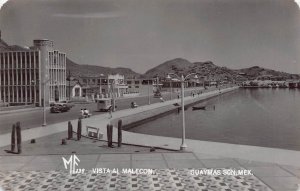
(95, 71)
(182, 66)
(211, 71)
(255, 71)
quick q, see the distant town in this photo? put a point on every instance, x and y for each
(40, 75)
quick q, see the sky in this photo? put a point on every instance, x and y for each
(141, 34)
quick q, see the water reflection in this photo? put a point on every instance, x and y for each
(260, 117)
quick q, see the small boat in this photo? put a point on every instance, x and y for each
(199, 108)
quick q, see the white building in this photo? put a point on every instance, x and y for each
(25, 72)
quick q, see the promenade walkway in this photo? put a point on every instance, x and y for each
(171, 171)
(277, 168)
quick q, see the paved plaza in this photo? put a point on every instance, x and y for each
(163, 179)
(172, 171)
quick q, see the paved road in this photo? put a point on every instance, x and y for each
(32, 119)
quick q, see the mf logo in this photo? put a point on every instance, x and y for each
(72, 163)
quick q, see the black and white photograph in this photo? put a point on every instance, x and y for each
(150, 95)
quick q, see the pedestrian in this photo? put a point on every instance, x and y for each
(178, 96)
(82, 112)
(85, 112)
(110, 111)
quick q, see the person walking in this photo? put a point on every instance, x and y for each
(110, 112)
(82, 112)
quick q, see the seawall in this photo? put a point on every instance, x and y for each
(141, 116)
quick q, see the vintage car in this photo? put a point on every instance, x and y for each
(3, 104)
(157, 94)
(59, 108)
(104, 104)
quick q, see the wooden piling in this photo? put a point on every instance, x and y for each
(119, 133)
(79, 129)
(13, 138)
(70, 130)
(19, 137)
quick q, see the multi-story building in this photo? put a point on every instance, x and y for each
(142, 86)
(25, 72)
(103, 86)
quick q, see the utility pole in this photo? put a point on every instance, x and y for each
(69, 76)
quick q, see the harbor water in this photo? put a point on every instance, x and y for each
(267, 117)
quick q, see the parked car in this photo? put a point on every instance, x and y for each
(3, 104)
(157, 95)
(68, 103)
(59, 108)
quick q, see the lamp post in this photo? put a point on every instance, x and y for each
(171, 89)
(100, 89)
(149, 92)
(182, 79)
(112, 93)
(44, 101)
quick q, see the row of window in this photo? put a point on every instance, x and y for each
(14, 94)
(19, 77)
(9, 60)
(134, 86)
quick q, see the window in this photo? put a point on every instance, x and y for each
(136, 86)
(136, 82)
(128, 82)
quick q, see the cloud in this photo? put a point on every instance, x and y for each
(298, 2)
(88, 15)
(2, 3)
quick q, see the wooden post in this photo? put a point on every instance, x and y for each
(111, 135)
(108, 134)
(19, 137)
(119, 133)
(13, 138)
(70, 130)
(79, 130)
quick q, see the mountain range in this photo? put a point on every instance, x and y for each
(77, 70)
(180, 66)
(177, 65)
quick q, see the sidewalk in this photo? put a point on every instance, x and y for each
(172, 171)
(21, 110)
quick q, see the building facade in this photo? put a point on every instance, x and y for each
(143, 86)
(103, 86)
(25, 72)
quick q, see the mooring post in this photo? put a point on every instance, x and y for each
(13, 138)
(19, 137)
(79, 129)
(70, 130)
(119, 133)
(111, 135)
